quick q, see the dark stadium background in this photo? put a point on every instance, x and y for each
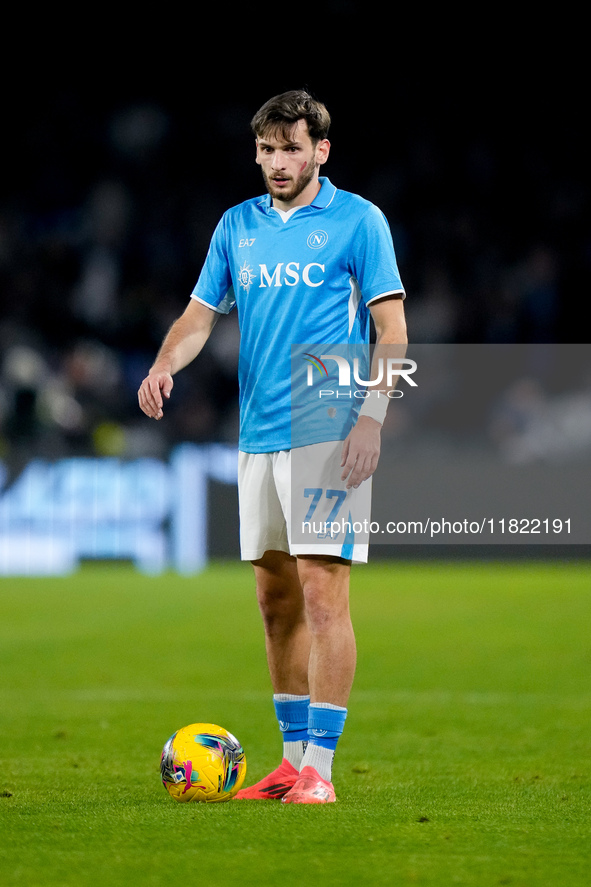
(118, 164)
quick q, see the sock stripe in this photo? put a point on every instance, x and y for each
(292, 716)
(325, 725)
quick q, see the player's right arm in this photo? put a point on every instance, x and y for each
(181, 345)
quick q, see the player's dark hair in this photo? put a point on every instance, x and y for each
(279, 115)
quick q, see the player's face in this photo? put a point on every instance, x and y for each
(290, 167)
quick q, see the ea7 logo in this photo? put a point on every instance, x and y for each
(246, 241)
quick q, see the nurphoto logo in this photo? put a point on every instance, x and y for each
(389, 370)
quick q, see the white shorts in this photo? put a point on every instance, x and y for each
(295, 501)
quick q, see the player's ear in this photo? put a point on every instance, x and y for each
(322, 151)
(257, 159)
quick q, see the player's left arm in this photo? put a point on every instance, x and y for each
(361, 448)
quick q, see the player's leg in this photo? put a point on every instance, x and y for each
(325, 586)
(287, 640)
(305, 610)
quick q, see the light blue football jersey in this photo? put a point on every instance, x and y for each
(307, 279)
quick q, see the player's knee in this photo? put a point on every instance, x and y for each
(326, 597)
(279, 605)
(324, 612)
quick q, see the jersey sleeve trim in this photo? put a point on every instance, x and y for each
(225, 306)
(400, 294)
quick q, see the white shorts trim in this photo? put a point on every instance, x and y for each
(286, 498)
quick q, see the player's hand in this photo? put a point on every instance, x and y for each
(361, 451)
(155, 387)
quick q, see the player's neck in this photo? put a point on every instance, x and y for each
(304, 199)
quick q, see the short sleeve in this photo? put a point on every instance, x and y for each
(214, 286)
(373, 260)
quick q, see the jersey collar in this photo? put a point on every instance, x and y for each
(323, 199)
(326, 194)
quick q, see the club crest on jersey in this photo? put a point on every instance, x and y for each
(317, 239)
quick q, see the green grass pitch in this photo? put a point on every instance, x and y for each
(465, 759)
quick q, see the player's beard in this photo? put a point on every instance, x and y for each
(297, 185)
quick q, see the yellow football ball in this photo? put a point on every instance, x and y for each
(202, 762)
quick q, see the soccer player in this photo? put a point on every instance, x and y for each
(306, 263)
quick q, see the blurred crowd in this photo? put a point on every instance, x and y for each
(106, 221)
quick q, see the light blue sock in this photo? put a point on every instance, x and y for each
(292, 715)
(325, 725)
